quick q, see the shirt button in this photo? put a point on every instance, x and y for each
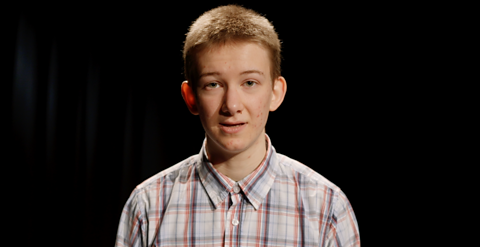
(236, 189)
(235, 222)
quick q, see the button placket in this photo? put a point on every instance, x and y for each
(233, 212)
(235, 199)
(232, 220)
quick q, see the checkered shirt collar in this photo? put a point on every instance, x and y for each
(254, 186)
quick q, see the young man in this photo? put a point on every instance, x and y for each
(237, 191)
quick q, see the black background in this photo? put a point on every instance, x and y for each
(95, 106)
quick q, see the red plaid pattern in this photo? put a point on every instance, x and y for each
(281, 203)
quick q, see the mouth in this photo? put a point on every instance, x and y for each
(233, 127)
(232, 124)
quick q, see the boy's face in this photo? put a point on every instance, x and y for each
(235, 95)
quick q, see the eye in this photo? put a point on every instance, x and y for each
(212, 85)
(250, 83)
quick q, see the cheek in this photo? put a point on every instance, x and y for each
(206, 114)
(208, 106)
(261, 112)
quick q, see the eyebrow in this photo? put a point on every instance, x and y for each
(243, 73)
(251, 71)
(208, 74)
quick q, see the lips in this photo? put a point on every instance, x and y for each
(232, 127)
(232, 124)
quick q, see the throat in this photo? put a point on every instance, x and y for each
(237, 165)
(241, 165)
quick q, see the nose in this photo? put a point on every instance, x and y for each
(232, 102)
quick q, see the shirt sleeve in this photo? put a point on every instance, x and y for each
(131, 229)
(343, 226)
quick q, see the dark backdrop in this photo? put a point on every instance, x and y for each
(93, 98)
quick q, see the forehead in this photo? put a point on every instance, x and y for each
(234, 56)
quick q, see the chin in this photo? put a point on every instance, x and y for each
(233, 145)
(236, 143)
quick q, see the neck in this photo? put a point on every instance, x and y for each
(238, 165)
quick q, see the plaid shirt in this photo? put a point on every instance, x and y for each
(281, 203)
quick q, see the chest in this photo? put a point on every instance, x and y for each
(282, 219)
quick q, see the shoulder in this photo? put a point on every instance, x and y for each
(315, 188)
(141, 213)
(162, 181)
(294, 169)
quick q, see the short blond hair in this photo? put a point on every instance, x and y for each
(226, 24)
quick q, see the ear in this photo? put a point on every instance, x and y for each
(279, 91)
(189, 97)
